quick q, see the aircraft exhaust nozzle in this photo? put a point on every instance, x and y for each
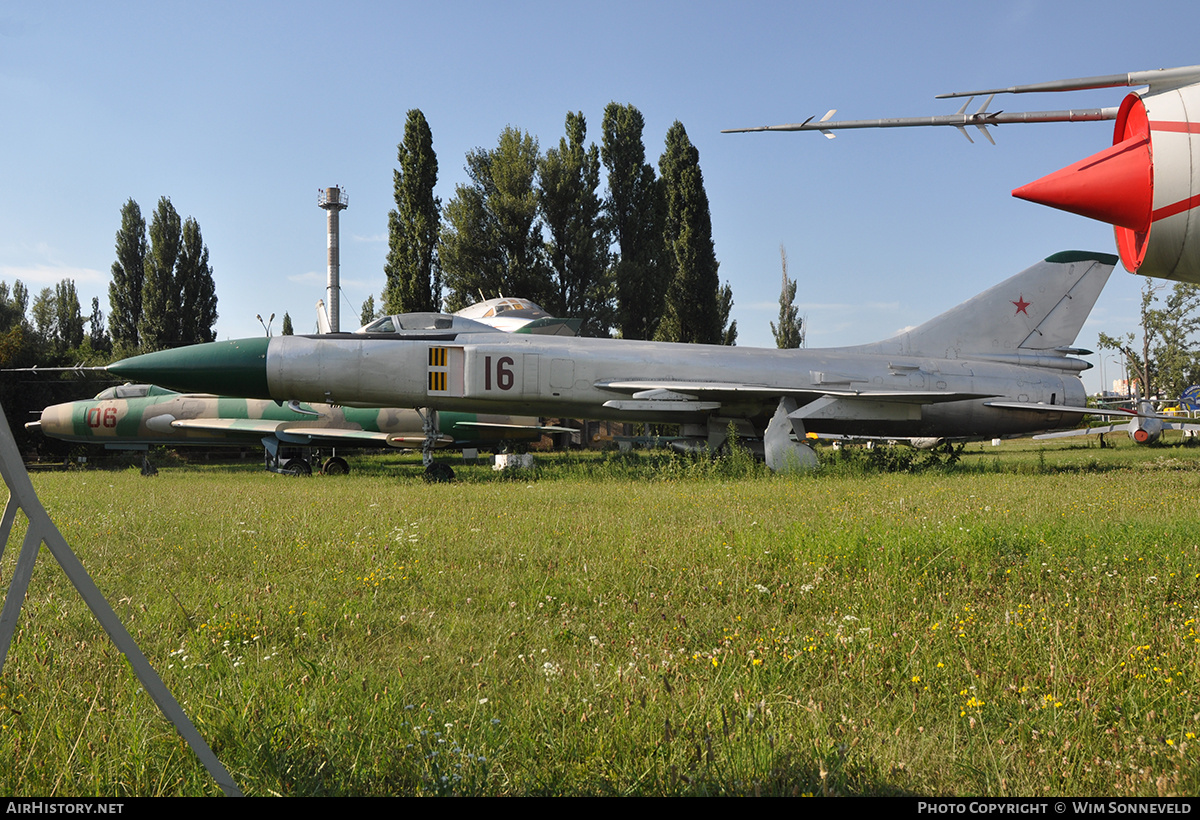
(1141, 436)
(1142, 185)
(1114, 186)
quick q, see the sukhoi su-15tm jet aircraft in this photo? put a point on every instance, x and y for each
(999, 364)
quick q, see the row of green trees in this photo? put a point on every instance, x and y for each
(16, 332)
(161, 295)
(51, 330)
(162, 292)
(47, 331)
(638, 260)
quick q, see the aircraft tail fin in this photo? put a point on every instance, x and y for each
(323, 325)
(1040, 310)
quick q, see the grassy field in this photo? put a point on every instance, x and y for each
(1023, 622)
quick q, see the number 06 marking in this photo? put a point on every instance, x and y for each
(504, 373)
(108, 419)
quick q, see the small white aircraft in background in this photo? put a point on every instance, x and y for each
(507, 313)
(1146, 426)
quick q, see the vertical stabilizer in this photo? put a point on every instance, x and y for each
(323, 325)
(1040, 309)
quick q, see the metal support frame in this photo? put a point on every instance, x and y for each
(41, 530)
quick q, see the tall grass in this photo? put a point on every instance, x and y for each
(625, 624)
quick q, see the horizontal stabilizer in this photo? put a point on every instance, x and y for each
(1083, 411)
(1034, 407)
(1102, 430)
(1105, 429)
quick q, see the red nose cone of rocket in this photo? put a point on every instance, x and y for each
(1114, 186)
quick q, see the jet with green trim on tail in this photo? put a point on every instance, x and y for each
(1000, 364)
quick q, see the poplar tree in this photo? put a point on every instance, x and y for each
(790, 332)
(57, 320)
(44, 314)
(577, 247)
(128, 273)
(160, 298)
(197, 291)
(414, 281)
(179, 299)
(13, 305)
(724, 310)
(694, 303)
(287, 325)
(68, 316)
(98, 337)
(633, 213)
(491, 241)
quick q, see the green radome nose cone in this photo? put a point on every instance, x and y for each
(230, 368)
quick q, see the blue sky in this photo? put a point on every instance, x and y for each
(241, 112)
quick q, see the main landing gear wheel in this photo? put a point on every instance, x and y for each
(297, 466)
(438, 473)
(335, 465)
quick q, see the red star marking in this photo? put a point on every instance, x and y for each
(1021, 305)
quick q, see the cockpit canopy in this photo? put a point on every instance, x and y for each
(509, 314)
(132, 391)
(424, 323)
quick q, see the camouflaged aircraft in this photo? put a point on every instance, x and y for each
(138, 416)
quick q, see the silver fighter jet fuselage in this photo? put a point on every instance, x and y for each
(998, 364)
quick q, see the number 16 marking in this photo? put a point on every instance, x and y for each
(504, 373)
